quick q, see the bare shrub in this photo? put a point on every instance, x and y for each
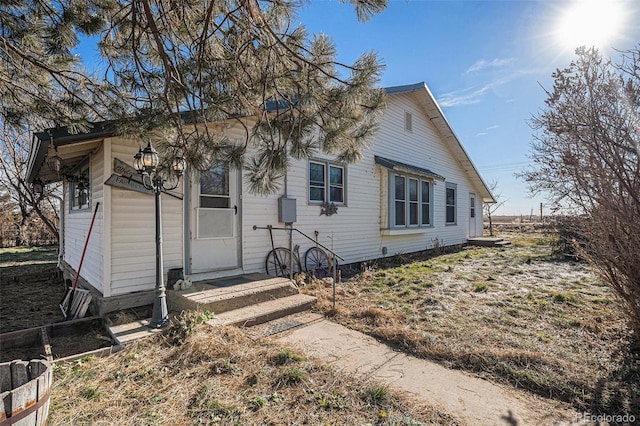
(587, 158)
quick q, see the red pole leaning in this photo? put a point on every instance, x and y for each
(86, 243)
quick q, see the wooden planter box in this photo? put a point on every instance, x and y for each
(25, 387)
(64, 341)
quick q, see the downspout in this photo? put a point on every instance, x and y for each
(186, 221)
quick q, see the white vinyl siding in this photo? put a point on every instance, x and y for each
(133, 231)
(361, 231)
(77, 224)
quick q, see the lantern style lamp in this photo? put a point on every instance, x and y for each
(149, 159)
(55, 163)
(145, 162)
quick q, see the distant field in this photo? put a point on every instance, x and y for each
(514, 219)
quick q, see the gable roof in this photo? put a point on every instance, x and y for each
(61, 136)
(427, 101)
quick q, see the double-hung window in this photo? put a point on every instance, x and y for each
(411, 201)
(450, 203)
(80, 188)
(326, 182)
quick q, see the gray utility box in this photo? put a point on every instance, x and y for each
(287, 210)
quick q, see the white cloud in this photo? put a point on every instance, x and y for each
(464, 97)
(495, 63)
(472, 95)
(495, 126)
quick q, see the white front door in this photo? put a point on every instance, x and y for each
(215, 221)
(472, 215)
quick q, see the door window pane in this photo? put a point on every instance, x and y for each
(214, 188)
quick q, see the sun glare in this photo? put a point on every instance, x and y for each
(590, 23)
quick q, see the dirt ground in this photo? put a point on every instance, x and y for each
(31, 288)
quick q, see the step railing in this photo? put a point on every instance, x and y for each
(332, 255)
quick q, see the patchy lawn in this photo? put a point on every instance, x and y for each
(517, 315)
(198, 375)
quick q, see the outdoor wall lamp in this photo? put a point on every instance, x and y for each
(146, 162)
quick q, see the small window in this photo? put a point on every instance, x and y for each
(214, 188)
(326, 182)
(451, 204)
(80, 188)
(408, 121)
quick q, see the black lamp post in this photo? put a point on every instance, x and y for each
(146, 164)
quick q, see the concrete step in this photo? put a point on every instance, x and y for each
(125, 333)
(228, 295)
(265, 311)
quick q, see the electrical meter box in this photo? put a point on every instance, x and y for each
(287, 210)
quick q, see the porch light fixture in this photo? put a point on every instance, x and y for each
(37, 187)
(55, 163)
(145, 162)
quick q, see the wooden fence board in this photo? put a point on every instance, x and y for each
(5, 404)
(19, 373)
(5, 376)
(28, 403)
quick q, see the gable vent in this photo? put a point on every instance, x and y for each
(408, 121)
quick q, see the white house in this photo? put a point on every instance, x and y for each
(415, 187)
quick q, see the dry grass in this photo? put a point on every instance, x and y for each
(515, 315)
(195, 374)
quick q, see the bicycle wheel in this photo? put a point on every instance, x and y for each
(316, 262)
(278, 262)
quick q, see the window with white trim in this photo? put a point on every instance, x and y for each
(410, 199)
(326, 182)
(451, 203)
(80, 188)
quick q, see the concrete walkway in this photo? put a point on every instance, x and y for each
(476, 401)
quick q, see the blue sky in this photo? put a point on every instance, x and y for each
(485, 62)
